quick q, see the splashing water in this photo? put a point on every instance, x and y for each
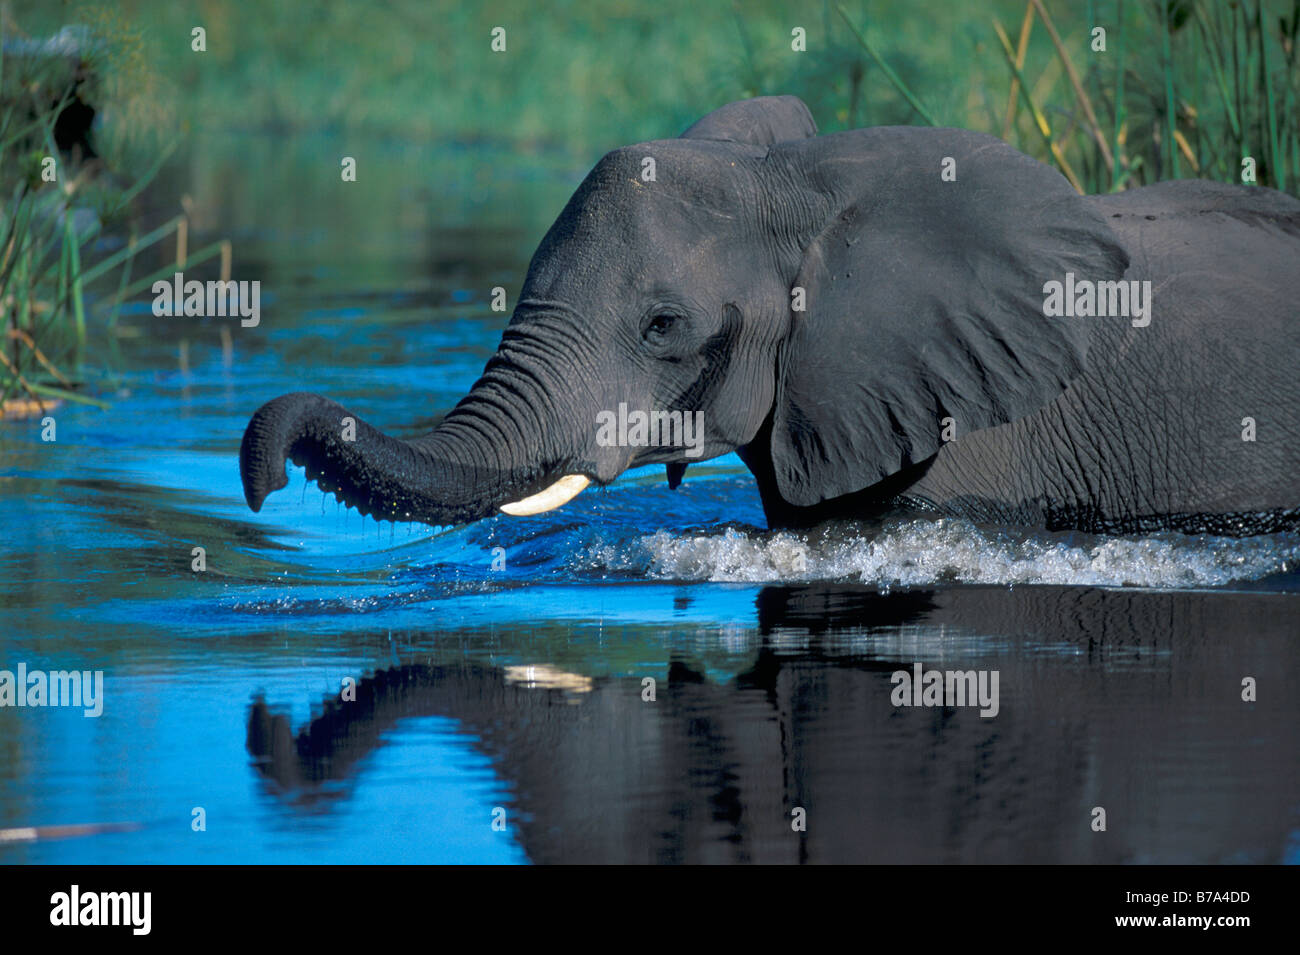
(918, 552)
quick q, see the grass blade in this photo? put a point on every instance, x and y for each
(1039, 119)
(889, 74)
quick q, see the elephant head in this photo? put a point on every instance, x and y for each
(819, 303)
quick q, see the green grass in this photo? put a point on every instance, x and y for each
(54, 210)
(1185, 87)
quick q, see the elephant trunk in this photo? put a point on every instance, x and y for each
(497, 446)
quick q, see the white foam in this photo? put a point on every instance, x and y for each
(919, 552)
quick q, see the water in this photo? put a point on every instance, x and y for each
(516, 691)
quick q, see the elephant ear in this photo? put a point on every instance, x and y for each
(762, 121)
(925, 301)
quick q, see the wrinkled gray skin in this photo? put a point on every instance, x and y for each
(924, 302)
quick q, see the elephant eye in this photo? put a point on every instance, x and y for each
(659, 325)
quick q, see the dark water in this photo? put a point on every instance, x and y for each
(516, 692)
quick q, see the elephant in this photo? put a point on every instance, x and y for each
(881, 320)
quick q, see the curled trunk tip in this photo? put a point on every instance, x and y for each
(269, 439)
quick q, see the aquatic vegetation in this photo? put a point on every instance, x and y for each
(62, 215)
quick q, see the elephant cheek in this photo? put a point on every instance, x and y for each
(740, 411)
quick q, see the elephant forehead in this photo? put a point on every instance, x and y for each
(667, 179)
(630, 218)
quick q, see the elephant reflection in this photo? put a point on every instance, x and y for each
(714, 771)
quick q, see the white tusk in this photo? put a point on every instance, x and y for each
(561, 492)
